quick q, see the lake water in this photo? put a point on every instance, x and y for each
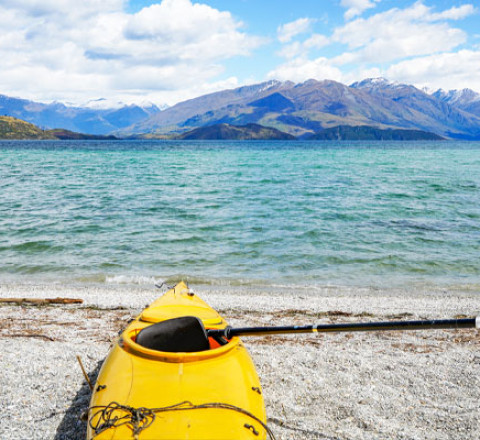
(302, 213)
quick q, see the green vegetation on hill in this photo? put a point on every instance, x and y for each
(13, 128)
(364, 132)
(16, 129)
(60, 133)
(235, 132)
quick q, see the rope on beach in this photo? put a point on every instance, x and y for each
(114, 415)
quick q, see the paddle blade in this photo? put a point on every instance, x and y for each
(184, 334)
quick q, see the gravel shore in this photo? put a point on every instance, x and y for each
(384, 385)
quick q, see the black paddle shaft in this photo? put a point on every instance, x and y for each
(230, 332)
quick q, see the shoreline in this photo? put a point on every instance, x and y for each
(402, 385)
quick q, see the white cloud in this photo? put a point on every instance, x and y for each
(356, 7)
(95, 48)
(452, 70)
(192, 31)
(455, 13)
(316, 41)
(300, 69)
(297, 48)
(66, 11)
(397, 34)
(291, 50)
(289, 30)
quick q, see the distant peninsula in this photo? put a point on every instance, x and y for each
(13, 128)
(235, 132)
(16, 129)
(367, 133)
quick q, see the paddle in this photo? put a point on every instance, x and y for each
(188, 334)
(230, 332)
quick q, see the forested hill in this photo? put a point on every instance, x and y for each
(363, 132)
(13, 128)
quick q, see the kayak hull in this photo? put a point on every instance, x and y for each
(208, 395)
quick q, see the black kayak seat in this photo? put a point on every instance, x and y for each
(183, 334)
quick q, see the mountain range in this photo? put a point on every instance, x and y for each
(301, 110)
(96, 119)
(307, 108)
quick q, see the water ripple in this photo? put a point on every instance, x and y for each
(266, 212)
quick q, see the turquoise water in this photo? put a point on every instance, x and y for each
(361, 214)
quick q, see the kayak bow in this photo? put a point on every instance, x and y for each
(199, 392)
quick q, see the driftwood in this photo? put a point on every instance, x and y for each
(41, 301)
(28, 335)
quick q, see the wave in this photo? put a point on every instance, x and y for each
(133, 279)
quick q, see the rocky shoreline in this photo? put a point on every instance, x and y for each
(387, 385)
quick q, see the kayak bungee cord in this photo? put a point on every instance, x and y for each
(139, 419)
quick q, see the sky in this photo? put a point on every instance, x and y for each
(166, 51)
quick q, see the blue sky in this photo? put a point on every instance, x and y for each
(166, 51)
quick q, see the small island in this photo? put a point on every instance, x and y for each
(368, 133)
(235, 132)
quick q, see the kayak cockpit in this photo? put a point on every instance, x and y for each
(182, 334)
(180, 339)
(173, 329)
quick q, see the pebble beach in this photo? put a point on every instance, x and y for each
(383, 385)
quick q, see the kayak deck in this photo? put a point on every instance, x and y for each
(213, 394)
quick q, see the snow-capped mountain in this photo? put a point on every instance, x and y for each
(376, 83)
(463, 96)
(95, 117)
(109, 104)
(102, 104)
(465, 99)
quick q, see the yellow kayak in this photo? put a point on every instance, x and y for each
(150, 390)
